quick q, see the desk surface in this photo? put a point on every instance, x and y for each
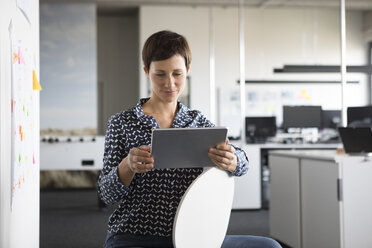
(289, 146)
(328, 155)
(312, 154)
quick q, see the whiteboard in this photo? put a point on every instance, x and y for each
(19, 198)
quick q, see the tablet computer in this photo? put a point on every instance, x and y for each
(185, 147)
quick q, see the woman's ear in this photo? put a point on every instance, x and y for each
(188, 70)
(145, 69)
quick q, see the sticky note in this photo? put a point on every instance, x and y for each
(15, 57)
(21, 133)
(36, 83)
(21, 60)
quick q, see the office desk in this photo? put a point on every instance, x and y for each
(320, 199)
(248, 188)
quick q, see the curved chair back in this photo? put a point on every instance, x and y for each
(204, 211)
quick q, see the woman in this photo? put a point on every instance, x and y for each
(149, 197)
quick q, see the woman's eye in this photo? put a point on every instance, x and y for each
(160, 75)
(177, 74)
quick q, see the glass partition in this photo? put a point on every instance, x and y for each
(68, 102)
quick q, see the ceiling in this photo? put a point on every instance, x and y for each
(350, 4)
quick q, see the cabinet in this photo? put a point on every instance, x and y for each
(320, 199)
(251, 190)
(284, 212)
(319, 203)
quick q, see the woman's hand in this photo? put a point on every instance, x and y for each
(139, 160)
(223, 155)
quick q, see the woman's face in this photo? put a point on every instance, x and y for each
(167, 78)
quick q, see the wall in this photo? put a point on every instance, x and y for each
(19, 216)
(118, 76)
(273, 37)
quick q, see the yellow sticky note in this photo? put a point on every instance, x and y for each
(36, 83)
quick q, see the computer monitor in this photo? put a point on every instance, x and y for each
(331, 119)
(356, 139)
(258, 129)
(359, 116)
(302, 116)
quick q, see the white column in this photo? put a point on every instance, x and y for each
(242, 70)
(343, 105)
(212, 75)
(343, 63)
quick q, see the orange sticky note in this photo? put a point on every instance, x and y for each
(36, 83)
(21, 132)
(15, 57)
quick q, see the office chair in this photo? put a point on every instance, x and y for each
(204, 211)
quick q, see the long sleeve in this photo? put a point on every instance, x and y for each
(243, 162)
(110, 188)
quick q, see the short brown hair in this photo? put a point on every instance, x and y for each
(163, 45)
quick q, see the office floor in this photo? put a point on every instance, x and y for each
(71, 218)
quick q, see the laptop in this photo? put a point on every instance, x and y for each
(185, 147)
(356, 140)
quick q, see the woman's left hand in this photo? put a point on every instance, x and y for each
(223, 155)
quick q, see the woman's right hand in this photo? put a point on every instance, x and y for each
(139, 159)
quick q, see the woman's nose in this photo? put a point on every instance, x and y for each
(170, 81)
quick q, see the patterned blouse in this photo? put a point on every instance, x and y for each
(149, 204)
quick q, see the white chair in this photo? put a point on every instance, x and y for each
(204, 211)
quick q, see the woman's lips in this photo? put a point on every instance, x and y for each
(170, 92)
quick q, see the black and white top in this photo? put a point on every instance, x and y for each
(149, 204)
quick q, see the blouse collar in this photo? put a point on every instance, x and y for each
(182, 115)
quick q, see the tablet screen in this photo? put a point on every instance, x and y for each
(185, 147)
